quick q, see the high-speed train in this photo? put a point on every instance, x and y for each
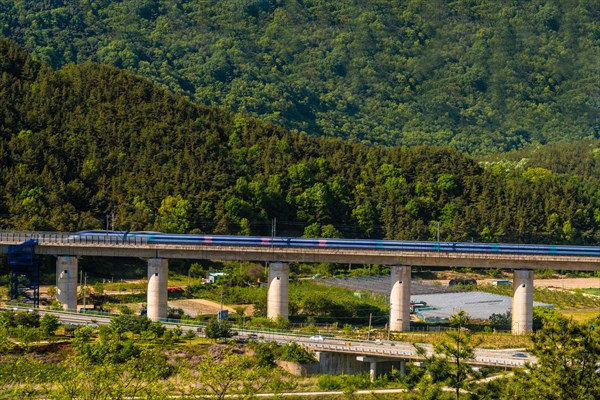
(366, 244)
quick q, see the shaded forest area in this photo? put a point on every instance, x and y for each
(88, 141)
(481, 76)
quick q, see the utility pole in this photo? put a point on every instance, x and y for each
(221, 308)
(84, 285)
(369, 331)
(81, 285)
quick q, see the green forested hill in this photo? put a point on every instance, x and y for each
(479, 76)
(581, 159)
(79, 143)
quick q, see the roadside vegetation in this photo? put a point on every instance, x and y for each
(591, 291)
(135, 357)
(561, 299)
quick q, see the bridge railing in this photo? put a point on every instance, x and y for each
(15, 237)
(45, 237)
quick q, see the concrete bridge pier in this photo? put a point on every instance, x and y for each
(402, 367)
(400, 299)
(522, 306)
(158, 275)
(382, 366)
(373, 370)
(66, 282)
(277, 297)
(332, 363)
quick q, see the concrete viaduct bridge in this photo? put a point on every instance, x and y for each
(158, 248)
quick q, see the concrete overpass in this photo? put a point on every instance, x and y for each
(67, 247)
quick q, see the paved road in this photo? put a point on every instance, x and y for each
(400, 350)
(383, 349)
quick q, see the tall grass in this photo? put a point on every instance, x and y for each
(559, 298)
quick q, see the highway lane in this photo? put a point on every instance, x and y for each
(392, 349)
(383, 349)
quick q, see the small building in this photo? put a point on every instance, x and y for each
(213, 277)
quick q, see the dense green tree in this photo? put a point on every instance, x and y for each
(49, 324)
(130, 323)
(27, 319)
(117, 379)
(568, 355)
(217, 329)
(227, 373)
(297, 353)
(479, 76)
(90, 144)
(449, 363)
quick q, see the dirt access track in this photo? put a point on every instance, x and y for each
(568, 283)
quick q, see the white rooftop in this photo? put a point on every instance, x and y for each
(479, 305)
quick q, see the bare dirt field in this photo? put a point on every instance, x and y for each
(568, 283)
(560, 283)
(194, 307)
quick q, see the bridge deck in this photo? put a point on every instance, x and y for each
(60, 244)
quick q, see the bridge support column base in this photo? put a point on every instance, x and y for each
(400, 299)
(66, 282)
(277, 297)
(332, 363)
(372, 370)
(522, 306)
(158, 275)
(381, 365)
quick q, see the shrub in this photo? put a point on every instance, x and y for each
(216, 330)
(265, 353)
(329, 382)
(297, 353)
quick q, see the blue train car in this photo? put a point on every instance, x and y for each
(358, 244)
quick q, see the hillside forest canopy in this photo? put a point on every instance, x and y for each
(482, 76)
(87, 141)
